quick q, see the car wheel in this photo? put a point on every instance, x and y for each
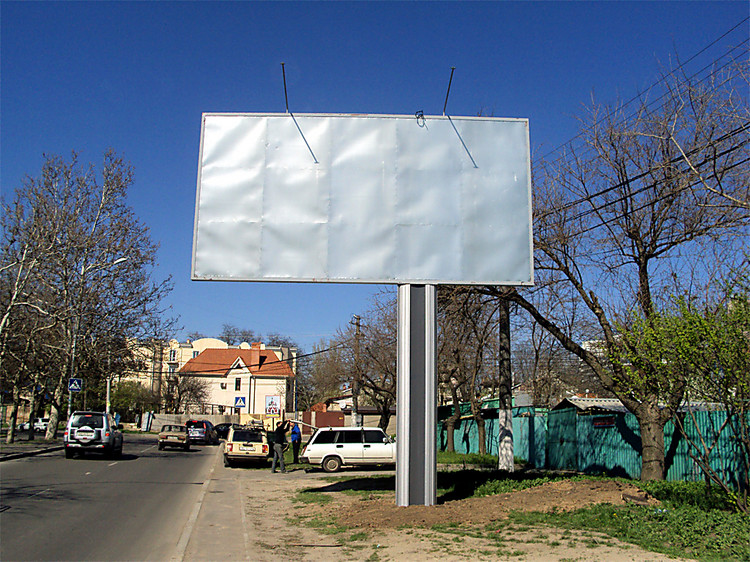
(161, 447)
(331, 464)
(187, 446)
(118, 452)
(227, 462)
(69, 453)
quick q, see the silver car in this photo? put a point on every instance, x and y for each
(92, 432)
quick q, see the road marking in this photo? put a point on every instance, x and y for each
(47, 490)
(112, 464)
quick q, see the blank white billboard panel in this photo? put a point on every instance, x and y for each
(363, 198)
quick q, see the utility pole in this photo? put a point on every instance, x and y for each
(356, 380)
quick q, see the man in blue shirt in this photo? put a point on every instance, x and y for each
(296, 441)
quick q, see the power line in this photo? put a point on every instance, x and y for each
(589, 198)
(654, 185)
(662, 79)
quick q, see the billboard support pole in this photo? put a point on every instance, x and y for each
(416, 441)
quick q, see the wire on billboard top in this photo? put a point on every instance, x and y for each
(363, 198)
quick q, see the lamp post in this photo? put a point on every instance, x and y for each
(73, 365)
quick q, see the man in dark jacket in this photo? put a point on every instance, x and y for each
(279, 441)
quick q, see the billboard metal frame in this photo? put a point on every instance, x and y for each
(286, 197)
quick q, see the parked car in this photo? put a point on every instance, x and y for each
(202, 431)
(246, 443)
(222, 429)
(88, 432)
(334, 447)
(40, 424)
(174, 436)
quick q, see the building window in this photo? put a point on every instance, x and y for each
(223, 385)
(173, 355)
(237, 383)
(172, 369)
(195, 354)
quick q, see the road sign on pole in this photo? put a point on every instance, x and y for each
(239, 402)
(75, 385)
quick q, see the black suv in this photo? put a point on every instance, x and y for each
(96, 432)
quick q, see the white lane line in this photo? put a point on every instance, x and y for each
(188, 530)
(112, 464)
(47, 490)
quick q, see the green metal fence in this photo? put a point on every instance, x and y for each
(604, 442)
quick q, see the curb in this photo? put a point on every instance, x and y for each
(13, 456)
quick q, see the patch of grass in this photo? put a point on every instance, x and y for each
(311, 497)
(327, 526)
(682, 531)
(361, 536)
(697, 494)
(444, 457)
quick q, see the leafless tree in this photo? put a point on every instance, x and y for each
(89, 278)
(186, 391)
(371, 356)
(635, 216)
(233, 335)
(467, 352)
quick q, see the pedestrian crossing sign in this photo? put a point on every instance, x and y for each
(239, 402)
(75, 385)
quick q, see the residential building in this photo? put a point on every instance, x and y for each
(251, 380)
(162, 363)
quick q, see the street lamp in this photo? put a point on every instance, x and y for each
(73, 370)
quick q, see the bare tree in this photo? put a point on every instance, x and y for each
(186, 391)
(370, 356)
(233, 335)
(96, 283)
(467, 352)
(635, 217)
(324, 375)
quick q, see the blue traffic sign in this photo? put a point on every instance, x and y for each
(75, 385)
(239, 402)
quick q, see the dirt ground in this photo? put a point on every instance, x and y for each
(378, 530)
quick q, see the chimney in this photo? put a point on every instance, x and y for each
(254, 356)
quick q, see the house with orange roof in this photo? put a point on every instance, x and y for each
(248, 380)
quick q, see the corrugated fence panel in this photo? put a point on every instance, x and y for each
(609, 444)
(530, 436)
(561, 440)
(726, 457)
(603, 443)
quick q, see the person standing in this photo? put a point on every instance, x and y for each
(279, 441)
(296, 441)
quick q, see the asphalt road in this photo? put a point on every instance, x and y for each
(94, 508)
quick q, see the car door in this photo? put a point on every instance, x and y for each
(377, 447)
(349, 446)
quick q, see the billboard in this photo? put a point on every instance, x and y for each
(363, 199)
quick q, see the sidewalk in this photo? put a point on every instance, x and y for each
(22, 447)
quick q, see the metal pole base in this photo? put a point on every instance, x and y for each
(416, 399)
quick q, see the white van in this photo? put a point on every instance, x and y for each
(334, 447)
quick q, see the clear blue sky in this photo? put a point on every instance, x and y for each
(136, 76)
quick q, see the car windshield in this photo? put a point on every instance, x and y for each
(195, 424)
(247, 436)
(90, 420)
(173, 428)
